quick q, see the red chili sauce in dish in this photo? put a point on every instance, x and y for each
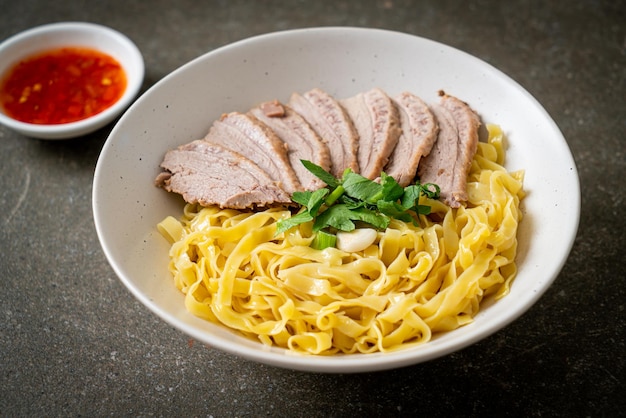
(61, 85)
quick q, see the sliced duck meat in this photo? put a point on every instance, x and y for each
(273, 108)
(450, 159)
(210, 174)
(419, 131)
(246, 135)
(302, 141)
(377, 124)
(331, 122)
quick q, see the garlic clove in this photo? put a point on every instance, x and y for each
(356, 240)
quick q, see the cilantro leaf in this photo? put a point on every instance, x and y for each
(395, 210)
(320, 173)
(391, 190)
(410, 196)
(429, 193)
(360, 187)
(342, 217)
(302, 198)
(286, 224)
(316, 200)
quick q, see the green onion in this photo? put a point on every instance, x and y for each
(323, 240)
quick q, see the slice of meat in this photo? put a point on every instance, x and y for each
(210, 174)
(332, 124)
(377, 124)
(302, 141)
(252, 139)
(273, 108)
(450, 159)
(419, 131)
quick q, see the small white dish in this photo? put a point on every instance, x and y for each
(73, 34)
(343, 61)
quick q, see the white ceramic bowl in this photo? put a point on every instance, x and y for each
(76, 34)
(343, 61)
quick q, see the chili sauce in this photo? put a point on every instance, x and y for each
(61, 85)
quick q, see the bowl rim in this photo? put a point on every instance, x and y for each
(341, 363)
(90, 124)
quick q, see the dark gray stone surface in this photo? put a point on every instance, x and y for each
(74, 342)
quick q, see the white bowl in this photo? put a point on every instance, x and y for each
(343, 61)
(76, 34)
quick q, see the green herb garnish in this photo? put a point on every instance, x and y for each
(323, 240)
(354, 198)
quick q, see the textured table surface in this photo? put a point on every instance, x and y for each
(73, 340)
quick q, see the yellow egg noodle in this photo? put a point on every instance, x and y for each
(411, 283)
